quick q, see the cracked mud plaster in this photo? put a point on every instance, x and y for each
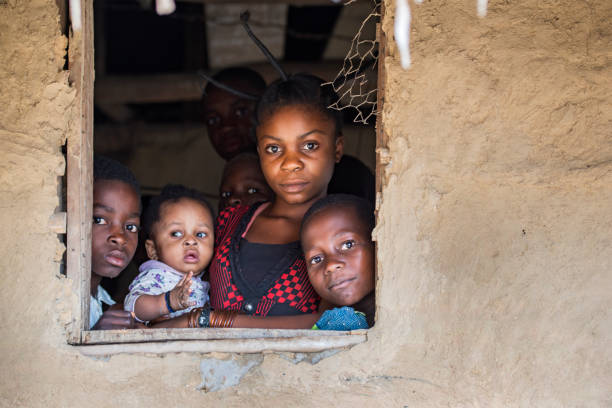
(219, 373)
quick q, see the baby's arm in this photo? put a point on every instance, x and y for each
(149, 307)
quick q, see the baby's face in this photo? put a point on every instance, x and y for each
(183, 237)
(339, 255)
(244, 183)
(116, 221)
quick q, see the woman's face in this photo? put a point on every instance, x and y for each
(298, 149)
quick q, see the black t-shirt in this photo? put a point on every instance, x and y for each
(257, 261)
(351, 176)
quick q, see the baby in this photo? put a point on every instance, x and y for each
(243, 182)
(339, 252)
(179, 226)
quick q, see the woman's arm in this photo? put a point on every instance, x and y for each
(305, 321)
(180, 322)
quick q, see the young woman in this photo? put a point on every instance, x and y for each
(258, 275)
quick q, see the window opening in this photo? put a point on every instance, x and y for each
(146, 101)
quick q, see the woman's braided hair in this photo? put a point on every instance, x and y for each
(299, 90)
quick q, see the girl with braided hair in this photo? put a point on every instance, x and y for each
(258, 274)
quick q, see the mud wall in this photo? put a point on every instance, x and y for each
(494, 225)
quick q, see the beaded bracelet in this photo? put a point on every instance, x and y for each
(167, 297)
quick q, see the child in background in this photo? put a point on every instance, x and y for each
(336, 238)
(114, 237)
(179, 226)
(243, 182)
(228, 117)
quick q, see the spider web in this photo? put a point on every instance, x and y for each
(351, 83)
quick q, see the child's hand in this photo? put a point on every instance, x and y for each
(179, 296)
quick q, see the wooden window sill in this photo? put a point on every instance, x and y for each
(160, 341)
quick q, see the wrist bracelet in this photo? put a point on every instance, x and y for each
(192, 321)
(167, 297)
(222, 318)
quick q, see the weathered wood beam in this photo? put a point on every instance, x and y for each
(302, 345)
(147, 88)
(290, 2)
(140, 335)
(188, 86)
(323, 69)
(117, 112)
(110, 138)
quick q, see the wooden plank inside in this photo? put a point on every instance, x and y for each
(149, 88)
(121, 89)
(289, 2)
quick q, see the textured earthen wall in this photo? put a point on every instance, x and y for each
(494, 235)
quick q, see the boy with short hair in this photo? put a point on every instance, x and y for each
(336, 238)
(116, 222)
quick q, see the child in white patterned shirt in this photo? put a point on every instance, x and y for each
(179, 225)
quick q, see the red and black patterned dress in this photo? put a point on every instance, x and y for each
(284, 289)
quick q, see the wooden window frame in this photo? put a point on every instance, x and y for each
(79, 161)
